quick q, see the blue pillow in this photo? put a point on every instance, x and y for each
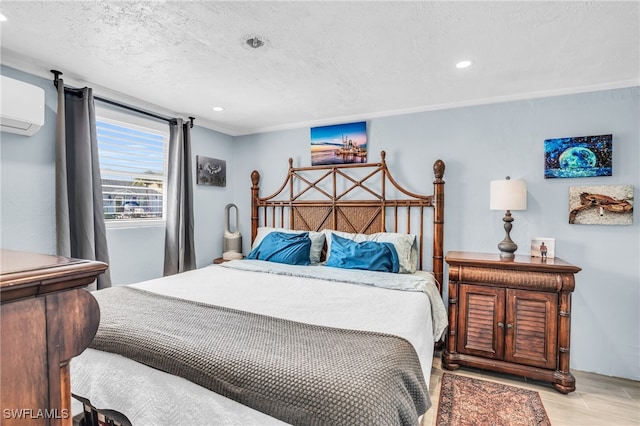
(282, 247)
(370, 255)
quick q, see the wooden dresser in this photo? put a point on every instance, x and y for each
(46, 319)
(511, 316)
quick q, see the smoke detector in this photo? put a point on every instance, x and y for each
(251, 42)
(254, 42)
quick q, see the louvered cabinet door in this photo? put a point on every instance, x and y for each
(480, 331)
(531, 328)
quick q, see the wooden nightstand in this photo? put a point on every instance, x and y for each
(511, 316)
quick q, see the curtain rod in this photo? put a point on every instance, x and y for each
(56, 79)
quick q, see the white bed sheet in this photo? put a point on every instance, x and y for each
(150, 397)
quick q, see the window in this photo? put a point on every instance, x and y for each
(133, 166)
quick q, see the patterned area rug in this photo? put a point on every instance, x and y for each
(465, 401)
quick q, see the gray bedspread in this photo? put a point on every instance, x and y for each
(299, 373)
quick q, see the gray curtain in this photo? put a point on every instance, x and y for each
(179, 252)
(80, 227)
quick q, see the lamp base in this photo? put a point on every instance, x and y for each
(507, 254)
(507, 247)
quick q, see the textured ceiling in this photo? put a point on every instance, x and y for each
(323, 62)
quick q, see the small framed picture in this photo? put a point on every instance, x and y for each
(211, 171)
(543, 247)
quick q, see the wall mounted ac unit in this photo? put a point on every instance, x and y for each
(22, 107)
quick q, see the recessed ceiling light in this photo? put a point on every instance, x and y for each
(463, 64)
(218, 109)
(2, 18)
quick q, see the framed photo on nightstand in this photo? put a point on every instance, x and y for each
(543, 247)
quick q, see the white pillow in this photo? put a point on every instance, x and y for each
(405, 244)
(317, 240)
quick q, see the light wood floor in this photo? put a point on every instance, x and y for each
(597, 401)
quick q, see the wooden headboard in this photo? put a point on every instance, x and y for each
(355, 198)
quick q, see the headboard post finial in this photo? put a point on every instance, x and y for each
(438, 169)
(290, 162)
(255, 178)
(383, 155)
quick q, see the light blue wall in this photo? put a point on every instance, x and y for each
(482, 143)
(27, 179)
(27, 220)
(478, 144)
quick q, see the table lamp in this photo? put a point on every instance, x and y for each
(508, 195)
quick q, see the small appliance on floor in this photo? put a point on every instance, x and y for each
(232, 242)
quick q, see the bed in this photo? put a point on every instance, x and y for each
(267, 341)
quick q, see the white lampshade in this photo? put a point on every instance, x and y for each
(508, 194)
